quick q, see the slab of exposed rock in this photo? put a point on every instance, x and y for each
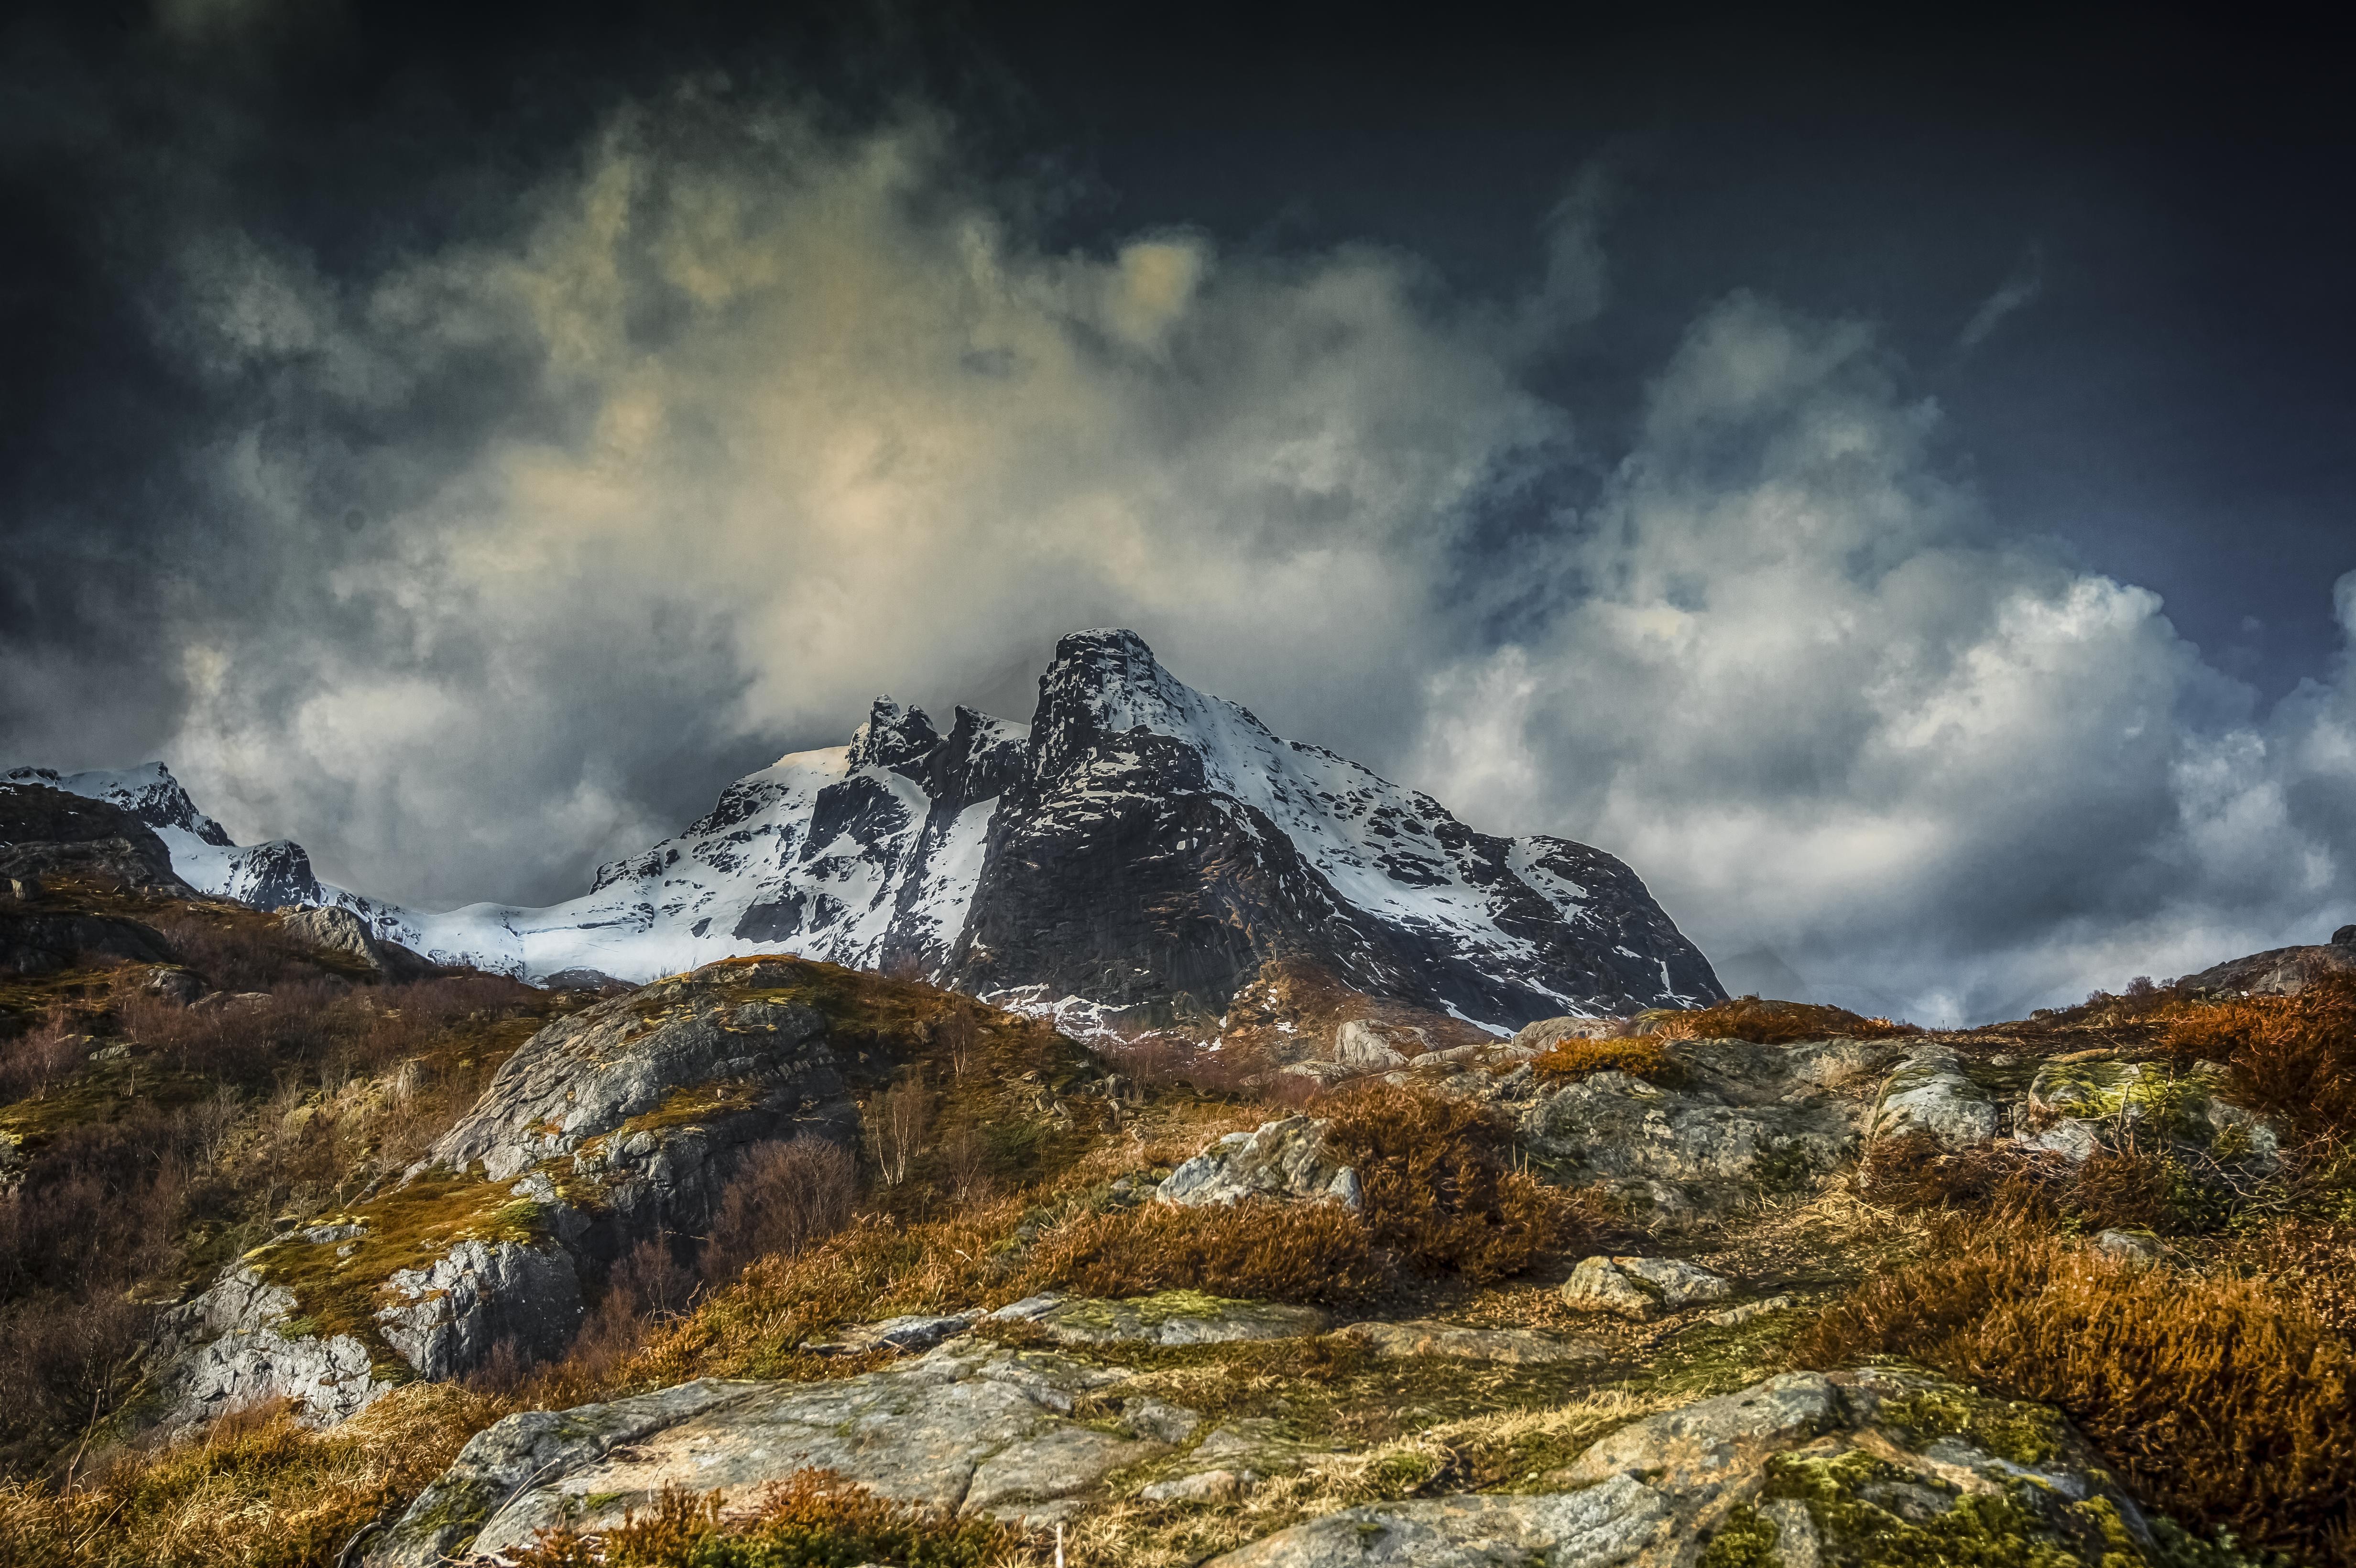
(1167, 1317)
(238, 1344)
(605, 1126)
(39, 942)
(2281, 971)
(335, 930)
(972, 1428)
(1376, 1047)
(444, 1319)
(1928, 1094)
(763, 1062)
(1641, 1289)
(1510, 1347)
(1867, 1468)
(1729, 1121)
(1284, 1159)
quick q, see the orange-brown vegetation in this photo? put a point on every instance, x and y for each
(813, 1517)
(1311, 1252)
(2227, 1399)
(2293, 1057)
(1437, 1191)
(1639, 1055)
(1775, 1023)
(257, 1491)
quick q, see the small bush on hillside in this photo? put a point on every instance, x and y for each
(43, 1056)
(1437, 1191)
(1316, 1253)
(1639, 1055)
(2293, 1057)
(2167, 1188)
(789, 1196)
(2228, 1401)
(1776, 1023)
(814, 1518)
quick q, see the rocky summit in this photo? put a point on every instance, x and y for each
(1139, 849)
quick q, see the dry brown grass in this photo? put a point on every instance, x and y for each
(1316, 1253)
(1775, 1023)
(1438, 1193)
(256, 1491)
(2228, 1401)
(1640, 1056)
(2293, 1057)
(813, 1517)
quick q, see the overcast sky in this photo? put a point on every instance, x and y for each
(1894, 488)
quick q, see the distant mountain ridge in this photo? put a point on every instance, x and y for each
(1139, 846)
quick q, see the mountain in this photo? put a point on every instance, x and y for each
(1140, 846)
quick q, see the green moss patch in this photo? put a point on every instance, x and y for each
(338, 1285)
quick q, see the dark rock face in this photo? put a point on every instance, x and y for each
(46, 833)
(2280, 971)
(1160, 846)
(38, 943)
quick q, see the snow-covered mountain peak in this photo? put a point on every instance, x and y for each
(893, 736)
(1139, 844)
(148, 791)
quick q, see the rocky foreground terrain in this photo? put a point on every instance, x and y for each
(314, 1252)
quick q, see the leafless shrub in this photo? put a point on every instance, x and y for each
(645, 1287)
(786, 1197)
(966, 1161)
(957, 1034)
(39, 1058)
(894, 1123)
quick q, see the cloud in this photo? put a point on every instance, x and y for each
(2020, 287)
(501, 552)
(1825, 708)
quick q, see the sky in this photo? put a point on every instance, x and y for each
(1888, 480)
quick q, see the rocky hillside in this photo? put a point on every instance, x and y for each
(311, 1255)
(1140, 849)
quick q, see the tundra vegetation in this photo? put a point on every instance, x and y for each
(2184, 1295)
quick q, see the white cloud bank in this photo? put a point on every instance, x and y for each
(746, 422)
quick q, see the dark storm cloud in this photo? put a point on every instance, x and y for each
(469, 491)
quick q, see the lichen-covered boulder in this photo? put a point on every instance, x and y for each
(1641, 1289)
(972, 1427)
(1929, 1093)
(1722, 1124)
(2077, 1105)
(1874, 1468)
(1285, 1159)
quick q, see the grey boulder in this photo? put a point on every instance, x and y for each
(1928, 1094)
(971, 1428)
(1284, 1160)
(1641, 1289)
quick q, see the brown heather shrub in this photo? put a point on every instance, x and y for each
(813, 1517)
(257, 1490)
(1317, 1252)
(2228, 1401)
(1775, 1023)
(1438, 1192)
(2294, 1057)
(1639, 1055)
(788, 1196)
